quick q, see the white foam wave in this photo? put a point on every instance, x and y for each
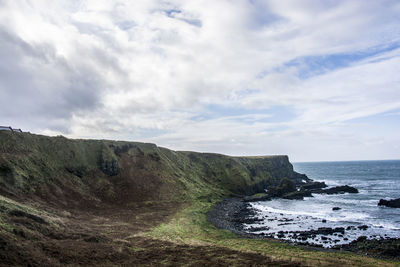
(264, 208)
(386, 226)
(327, 214)
(349, 217)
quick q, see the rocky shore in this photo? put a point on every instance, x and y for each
(234, 214)
(231, 214)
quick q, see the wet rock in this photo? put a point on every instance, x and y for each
(336, 208)
(339, 230)
(393, 203)
(363, 227)
(285, 220)
(336, 190)
(259, 229)
(383, 248)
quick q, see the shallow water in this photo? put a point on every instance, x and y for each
(373, 179)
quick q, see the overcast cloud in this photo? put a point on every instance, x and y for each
(317, 80)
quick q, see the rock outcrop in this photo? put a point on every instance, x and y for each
(314, 185)
(285, 187)
(393, 203)
(336, 190)
(301, 194)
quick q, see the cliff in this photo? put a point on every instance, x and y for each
(74, 172)
(111, 203)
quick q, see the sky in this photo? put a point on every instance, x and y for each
(315, 80)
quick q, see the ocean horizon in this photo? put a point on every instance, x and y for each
(353, 160)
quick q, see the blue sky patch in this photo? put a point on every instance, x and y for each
(272, 114)
(172, 13)
(309, 66)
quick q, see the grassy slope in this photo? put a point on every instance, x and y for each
(46, 166)
(76, 173)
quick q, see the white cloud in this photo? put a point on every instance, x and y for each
(144, 69)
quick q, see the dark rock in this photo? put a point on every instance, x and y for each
(297, 195)
(111, 168)
(259, 229)
(314, 185)
(336, 208)
(300, 179)
(393, 203)
(320, 231)
(285, 187)
(231, 214)
(325, 231)
(361, 238)
(280, 235)
(339, 230)
(255, 199)
(363, 227)
(336, 190)
(323, 220)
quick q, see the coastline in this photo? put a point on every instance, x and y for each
(231, 213)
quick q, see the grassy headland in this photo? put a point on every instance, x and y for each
(105, 202)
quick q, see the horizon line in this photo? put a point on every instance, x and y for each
(353, 160)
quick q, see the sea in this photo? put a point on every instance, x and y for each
(359, 213)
